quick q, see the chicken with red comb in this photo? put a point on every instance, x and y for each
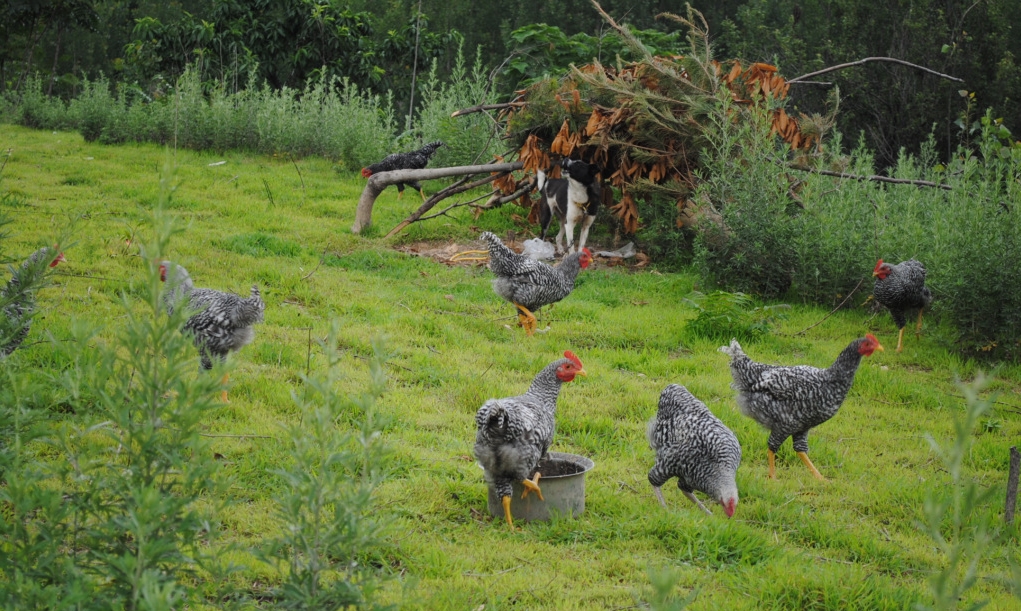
(514, 434)
(792, 400)
(900, 288)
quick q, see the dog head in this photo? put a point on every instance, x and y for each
(585, 173)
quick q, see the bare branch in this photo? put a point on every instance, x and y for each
(874, 178)
(380, 181)
(481, 107)
(804, 77)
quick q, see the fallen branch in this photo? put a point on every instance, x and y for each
(804, 77)
(382, 180)
(874, 178)
(481, 107)
(454, 189)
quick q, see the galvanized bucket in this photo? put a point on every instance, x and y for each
(563, 490)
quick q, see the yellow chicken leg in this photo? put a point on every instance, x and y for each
(422, 193)
(532, 485)
(808, 463)
(527, 319)
(506, 511)
(900, 339)
(772, 463)
(918, 329)
(223, 394)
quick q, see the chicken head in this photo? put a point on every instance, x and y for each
(870, 345)
(573, 367)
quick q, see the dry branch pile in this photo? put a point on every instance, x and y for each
(643, 123)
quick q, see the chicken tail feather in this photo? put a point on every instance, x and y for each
(734, 349)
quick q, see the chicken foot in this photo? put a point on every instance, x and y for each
(695, 500)
(526, 319)
(918, 329)
(506, 511)
(223, 393)
(808, 463)
(532, 485)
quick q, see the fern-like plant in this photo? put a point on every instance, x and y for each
(723, 315)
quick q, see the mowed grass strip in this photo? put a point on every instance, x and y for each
(849, 543)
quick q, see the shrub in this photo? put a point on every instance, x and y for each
(470, 138)
(326, 505)
(722, 316)
(749, 245)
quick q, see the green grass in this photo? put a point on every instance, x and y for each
(794, 543)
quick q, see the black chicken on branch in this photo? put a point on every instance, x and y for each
(694, 446)
(222, 322)
(900, 288)
(790, 401)
(17, 298)
(515, 433)
(531, 284)
(412, 160)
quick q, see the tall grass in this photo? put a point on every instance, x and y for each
(330, 117)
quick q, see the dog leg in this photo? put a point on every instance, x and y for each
(585, 224)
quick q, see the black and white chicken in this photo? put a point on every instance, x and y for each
(694, 446)
(222, 322)
(515, 433)
(17, 298)
(412, 160)
(902, 287)
(531, 284)
(790, 401)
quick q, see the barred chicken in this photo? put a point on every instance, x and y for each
(515, 433)
(902, 287)
(222, 322)
(790, 401)
(531, 284)
(413, 160)
(692, 445)
(17, 298)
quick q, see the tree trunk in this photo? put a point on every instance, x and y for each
(378, 182)
(56, 56)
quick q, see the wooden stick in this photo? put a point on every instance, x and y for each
(874, 59)
(1015, 469)
(832, 312)
(382, 180)
(481, 107)
(874, 177)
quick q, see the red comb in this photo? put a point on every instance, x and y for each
(871, 338)
(574, 359)
(878, 265)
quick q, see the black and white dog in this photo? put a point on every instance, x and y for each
(574, 200)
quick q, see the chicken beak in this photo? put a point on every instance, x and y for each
(874, 274)
(581, 372)
(879, 347)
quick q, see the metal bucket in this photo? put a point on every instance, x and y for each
(563, 489)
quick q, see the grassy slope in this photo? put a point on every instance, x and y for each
(794, 543)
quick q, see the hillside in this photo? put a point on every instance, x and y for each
(852, 542)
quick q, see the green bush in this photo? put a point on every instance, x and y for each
(750, 248)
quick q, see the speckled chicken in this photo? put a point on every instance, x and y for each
(222, 322)
(531, 284)
(412, 160)
(17, 298)
(515, 433)
(694, 446)
(790, 401)
(900, 288)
